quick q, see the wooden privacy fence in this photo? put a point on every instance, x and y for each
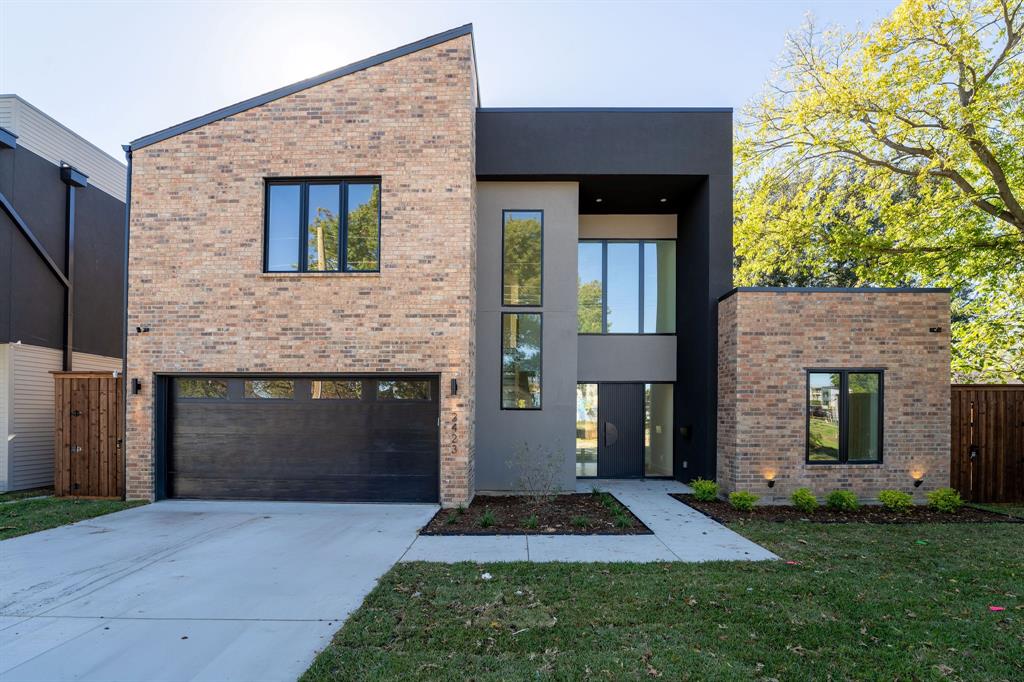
(88, 434)
(987, 441)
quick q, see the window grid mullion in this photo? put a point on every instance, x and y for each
(343, 227)
(843, 412)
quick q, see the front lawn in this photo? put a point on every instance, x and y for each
(25, 516)
(908, 602)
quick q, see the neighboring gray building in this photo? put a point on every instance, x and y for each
(42, 164)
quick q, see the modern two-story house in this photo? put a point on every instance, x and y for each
(367, 287)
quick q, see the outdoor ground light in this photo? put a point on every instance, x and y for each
(918, 477)
(770, 477)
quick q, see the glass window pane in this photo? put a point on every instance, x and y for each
(520, 360)
(521, 255)
(660, 287)
(863, 417)
(586, 429)
(362, 248)
(589, 285)
(658, 429)
(403, 390)
(330, 389)
(322, 227)
(283, 228)
(623, 287)
(201, 388)
(274, 389)
(823, 417)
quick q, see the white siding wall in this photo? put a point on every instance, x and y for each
(5, 406)
(53, 141)
(30, 422)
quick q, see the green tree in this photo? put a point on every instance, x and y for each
(893, 157)
(363, 238)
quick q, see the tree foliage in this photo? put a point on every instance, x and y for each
(894, 157)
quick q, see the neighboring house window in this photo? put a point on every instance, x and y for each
(271, 389)
(522, 257)
(520, 361)
(844, 416)
(626, 287)
(201, 388)
(322, 226)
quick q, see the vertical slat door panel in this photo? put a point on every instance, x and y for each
(997, 436)
(88, 425)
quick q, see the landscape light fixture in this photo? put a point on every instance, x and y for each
(918, 477)
(770, 477)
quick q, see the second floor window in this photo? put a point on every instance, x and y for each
(626, 287)
(322, 226)
(522, 237)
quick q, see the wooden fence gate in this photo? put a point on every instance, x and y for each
(89, 434)
(987, 441)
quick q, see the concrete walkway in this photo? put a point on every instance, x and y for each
(680, 534)
(183, 590)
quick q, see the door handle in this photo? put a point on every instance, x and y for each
(611, 434)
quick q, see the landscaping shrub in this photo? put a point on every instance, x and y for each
(580, 521)
(531, 521)
(896, 500)
(804, 500)
(742, 500)
(945, 500)
(622, 520)
(703, 490)
(487, 519)
(842, 500)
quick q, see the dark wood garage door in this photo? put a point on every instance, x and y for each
(330, 438)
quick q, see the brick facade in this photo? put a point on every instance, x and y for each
(195, 268)
(767, 341)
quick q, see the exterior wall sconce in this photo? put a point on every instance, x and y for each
(136, 386)
(141, 330)
(455, 386)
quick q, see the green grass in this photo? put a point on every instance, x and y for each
(901, 602)
(22, 494)
(1008, 508)
(29, 516)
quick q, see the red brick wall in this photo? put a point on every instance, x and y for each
(766, 342)
(195, 270)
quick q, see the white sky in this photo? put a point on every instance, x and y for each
(114, 71)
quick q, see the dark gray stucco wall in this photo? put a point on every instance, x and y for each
(31, 298)
(550, 431)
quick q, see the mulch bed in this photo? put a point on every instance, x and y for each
(723, 512)
(554, 516)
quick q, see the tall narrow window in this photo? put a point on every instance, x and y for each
(586, 429)
(520, 361)
(322, 226)
(622, 315)
(658, 429)
(844, 416)
(522, 238)
(590, 288)
(659, 287)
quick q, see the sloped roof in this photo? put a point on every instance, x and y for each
(244, 105)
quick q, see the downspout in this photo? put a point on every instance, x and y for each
(123, 436)
(73, 179)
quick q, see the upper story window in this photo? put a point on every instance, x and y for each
(844, 416)
(626, 287)
(322, 226)
(522, 258)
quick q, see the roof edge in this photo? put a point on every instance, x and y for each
(838, 290)
(575, 110)
(231, 110)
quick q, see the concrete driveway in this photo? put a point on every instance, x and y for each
(182, 590)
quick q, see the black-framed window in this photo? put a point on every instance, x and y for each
(626, 286)
(521, 335)
(844, 416)
(522, 257)
(328, 225)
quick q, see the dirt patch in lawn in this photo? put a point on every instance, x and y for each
(723, 512)
(574, 514)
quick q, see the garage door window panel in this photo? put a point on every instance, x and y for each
(332, 389)
(270, 389)
(403, 390)
(201, 389)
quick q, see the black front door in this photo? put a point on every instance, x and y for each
(620, 430)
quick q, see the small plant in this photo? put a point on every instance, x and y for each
(539, 470)
(804, 500)
(594, 490)
(842, 500)
(461, 509)
(704, 490)
(487, 519)
(896, 500)
(531, 521)
(609, 503)
(580, 521)
(742, 500)
(945, 500)
(451, 518)
(623, 521)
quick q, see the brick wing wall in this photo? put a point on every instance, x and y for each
(767, 341)
(195, 269)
